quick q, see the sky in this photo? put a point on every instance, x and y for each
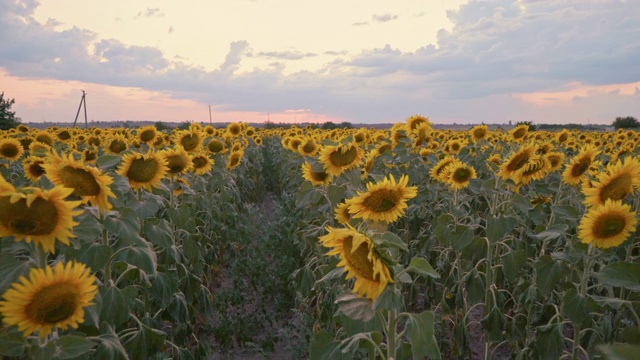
(361, 61)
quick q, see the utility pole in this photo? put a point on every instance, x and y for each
(209, 114)
(83, 101)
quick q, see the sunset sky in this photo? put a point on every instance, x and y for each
(374, 61)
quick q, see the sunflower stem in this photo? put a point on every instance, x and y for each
(41, 257)
(391, 334)
(583, 291)
(105, 241)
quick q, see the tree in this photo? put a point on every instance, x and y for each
(628, 122)
(529, 124)
(8, 119)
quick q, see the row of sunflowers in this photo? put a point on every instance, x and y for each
(526, 237)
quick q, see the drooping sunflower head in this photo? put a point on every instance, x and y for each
(342, 214)
(234, 159)
(359, 260)
(317, 178)
(64, 135)
(147, 134)
(515, 164)
(384, 201)
(579, 165)
(437, 172)
(10, 149)
(143, 170)
(216, 146)
(202, 163)
(339, 158)
(536, 169)
(178, 160)
(618, 181)
(87, 182)
(50, 297)
(33, 169)
(607, 225)
(41, 216)
(235, 129)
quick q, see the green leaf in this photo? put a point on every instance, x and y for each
(359, 341)
(149, 206)
(11, 270)
(619, 351)
(71, 346)
(422, 267)
(159, 232)
(126, 224)
(461, 237)
(355, 307)
(88, 228)
(498, 227)
(108, 161)
(335, 194)
(521, 203)
(145, 343)
(390, 299)
(390, 240)
(441, 230)
(420, 332)
(333, 274)
(622, 274)
(550, 341)
(139, 254)
(552, 232)
(324, 347)
(566, 212)
(110, 346)
(94, 255)
(12, 343)
(117, 303)
(574, 306)
(549, 273)
(163, 287)
(493, 324)
(512, 263)
(475, 287)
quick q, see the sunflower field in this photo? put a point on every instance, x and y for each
(401, 243)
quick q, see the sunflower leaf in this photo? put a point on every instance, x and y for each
(390, 240)
(107, 161)
(355, 307)
(72, 346)
(422, 267)
(10, 270)
(623, 274)
(619, 351)
(549, 273)
(419, 330)
(324, 347)
(552, 232)
(498, 227)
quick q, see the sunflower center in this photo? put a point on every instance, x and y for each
(455, 147)
(234, 160)
(609, 225)
(308, 148)
(461, 175)
(199, 162)
(359, 259)
(319, 176)
(176, 164)
(381, 200)
(53, 304)
(81, 181)
(215, 146)
(580, 167)
(142, 170)
(147, 135)
(519, 133)
(479, 134)
(9, 150)
(189, 142)
(617, 189)
(64, 135)
(39, 219)
(555, 160)
(346, 158)
(384, 148)
(117, 146)
(518, 162)
(36, 169)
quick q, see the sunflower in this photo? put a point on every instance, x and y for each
(607, 225)
(317, 178)
(64, 135)
(342, 213)
(516, 163)
(37, 148)
(50, 297)
(234, 129)
(556, 159)
(33, 168)
(359, 260)
(454, 146)
(191, 141)
(438, 170)
(178, 160)
(339, 158)
(147, 134)
(44, 136)
(116, 144)
(384, 201)
(89, 155)
(577, 168)
(308, 147)
(87, 182)
(479, 132)
(201, 163)
(234, 159)
(535, 170)
(10, 149)
(216, 146)
(33, 214)
(143, 170)
(458, 175)
(412, 123)
(615, 183)
(563, 136)
(257, 140)
(519, 132)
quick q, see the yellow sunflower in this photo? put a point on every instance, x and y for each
(556, 160)
(87, 182)
(519, 132)
(577, 168)
(235, 129)
(412, 123)
(339, 158)
(384, 201)
(615, 183)
(437, 172)
(143, 170)
(202, 163)
(64, 135)
(607, 225)
(317, 178)
(234, 159)
(516, 163)
(535, 170)
(216, 146)
(342, 213)
(116, 144)
(359, 260)
(33, 169)
(191, 141)
(33, 214)
(479, 132)
(45, 137)
(89, 155)
(147, 134)
(10, 149)
(178, 160)
(458, 175)
(308, 147)
(50, 297)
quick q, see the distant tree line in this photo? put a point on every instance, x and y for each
(628, 122)
(8, 118)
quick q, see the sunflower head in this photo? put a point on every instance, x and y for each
(143, 170)
(459, 174)
(147, 134)
(50, 297)
(10, 149)
(479, 132)
(178, 160)
(234, 159)
(383, 201)
(607, 225)
(216, 146)
(190, 141)
(519, 132)
(618, 181)
(317, 178)
(339, 158)
(201, 163)
(33, 169)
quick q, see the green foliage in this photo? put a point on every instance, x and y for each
(628, 122)
(8, 118)
(530, 124)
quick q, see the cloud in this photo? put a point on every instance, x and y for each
(495, 49)
(171, 29)
(384, 18)
(361, 23)
(150, 12)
